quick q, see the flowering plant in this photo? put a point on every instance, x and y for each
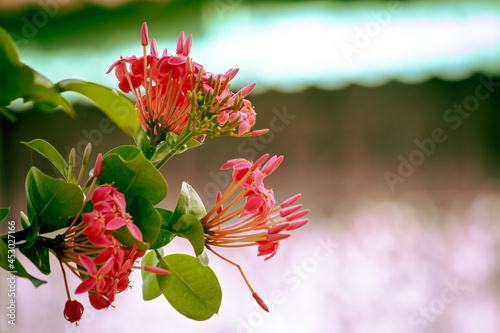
(105, 226)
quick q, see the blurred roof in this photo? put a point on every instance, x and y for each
(280, 45)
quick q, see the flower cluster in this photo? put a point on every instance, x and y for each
(175, 94)
(101, 261)
(260, 222)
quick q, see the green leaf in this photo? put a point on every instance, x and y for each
(150, 287)
(16, 79)
(191, 288)
(8, 49)
(4, 212)
(125, 237)
(46, 97)
(52, 200)
(8, 114)
(39, 256)
(133, 174)
(47, 150)
(165, 236)
(33, 231)
(185, 220)
(189, 227)
(9, 262)
(188, 203)
(145, 216)
(116, 106)
(142, 142)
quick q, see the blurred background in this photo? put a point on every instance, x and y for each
(387, 113)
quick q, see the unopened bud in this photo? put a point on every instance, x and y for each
(154, 48)
(260, 132)
(260, 302)
(72, 157)
(98, 166)
(217, 86)
(144, 34)
(187, 45)
(245, 91)
(86, 153)
(189, 66)
(238, 102)
(180, 43)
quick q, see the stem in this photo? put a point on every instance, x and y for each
(160, 258)
(178, 145)
(65, 280)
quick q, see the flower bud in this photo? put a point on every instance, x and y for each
(72, 157)
(144, 34)
(86, 153)
(189, 66)
(98, 166)
(154, 48)
(180, 43)
(260, 302)
(187, 45)
(73, 311)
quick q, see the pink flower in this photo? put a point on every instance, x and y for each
(100, 260)
(173, 92)
(260, 222)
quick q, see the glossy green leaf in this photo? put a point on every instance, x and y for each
(4, 212)
(52, 200)
(9, 262)
(116, 106)
(146, 217)
(39, 256)
(188, 203)
(16, 79)
(133, 174)
(142, 142)
(165, 236)
(150, 287)
(189, 227)
(46, 97)
(191, 288)
(8, 49)
(33, 231)
(125, 237)
(47, 150)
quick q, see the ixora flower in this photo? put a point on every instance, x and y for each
(93, 254)
(260, 222)
(175, 94)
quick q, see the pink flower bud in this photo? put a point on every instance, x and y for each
(144, 34)
(260, 302)
(156, 270)
(154, 48)
(98, 166)
(180, 43)
(187, 45)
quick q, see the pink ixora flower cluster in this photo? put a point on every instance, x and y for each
(101, 261)
(173, 92)
(260, 222)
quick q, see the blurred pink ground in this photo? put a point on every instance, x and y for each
(374, 266)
